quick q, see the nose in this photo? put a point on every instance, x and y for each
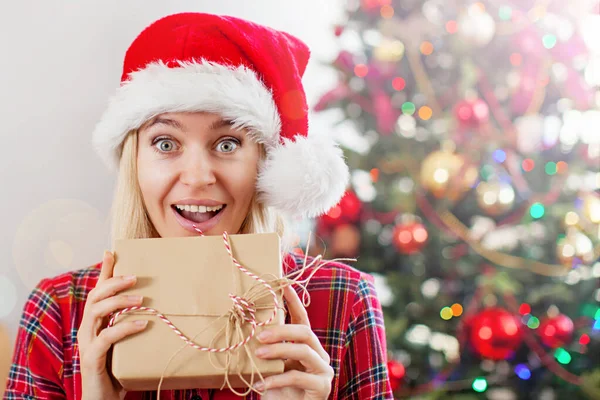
(197, 170)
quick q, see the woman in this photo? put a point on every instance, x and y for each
(209, 130)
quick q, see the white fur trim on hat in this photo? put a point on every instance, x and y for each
(233, 92)
(305, 177)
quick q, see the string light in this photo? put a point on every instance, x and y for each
(426, 48)
(480, 385)
(584, 339)
(398, 83)
(516, 59)
(589, 310)
(374, 174)
(387, 11)
(457, 309)
(571, 218)
(487, 171)
(562, 356)
(451, 27)
(446, 313)
(549, 41)
(408, 108)
(528, 165)
(524, 309)
(533, 323)
(537, 210)
(425, 113)
(562, 167)
(550, 168)
(361, 70)
(499, 156)
(523, 372)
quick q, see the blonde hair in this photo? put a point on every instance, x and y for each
(129, 216)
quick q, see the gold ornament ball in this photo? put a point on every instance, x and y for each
(575, 245)
(440, 172)
(495, 198)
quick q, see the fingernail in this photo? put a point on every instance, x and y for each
(141, 323)
(261, 351)
(135, 299)
(259, 386)
(106, 253)
(129, 277)
(263, 336)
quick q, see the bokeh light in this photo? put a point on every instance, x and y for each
(398, 83)
(426, 48)
(537, 210)
(528, 165)
(361, 70)
(480, 385)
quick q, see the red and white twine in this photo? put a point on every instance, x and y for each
(244, 308)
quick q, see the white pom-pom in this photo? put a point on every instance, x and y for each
(304, 177)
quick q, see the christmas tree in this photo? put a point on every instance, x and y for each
(472, 131)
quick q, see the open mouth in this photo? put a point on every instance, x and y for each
(198, 214)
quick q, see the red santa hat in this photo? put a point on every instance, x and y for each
(249, 74)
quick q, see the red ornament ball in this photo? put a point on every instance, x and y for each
(396, 372)
(472, 113)
(410, 238)
(556, 331)
(495, 333)
(347, 211)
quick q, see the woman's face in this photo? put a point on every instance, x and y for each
(194, 169)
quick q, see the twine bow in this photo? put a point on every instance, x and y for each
(242, 313)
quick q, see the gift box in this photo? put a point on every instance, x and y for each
(195, 283)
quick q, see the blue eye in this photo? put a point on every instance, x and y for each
(227, 145)
(165, 145)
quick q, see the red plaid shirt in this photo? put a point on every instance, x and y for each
(345, 314)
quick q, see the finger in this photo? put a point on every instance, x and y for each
(319, 384)
(294, 333)
(297, 311)
(107, 306)
(294, 351)
(108, 263)
(110, 336)
(109, 288)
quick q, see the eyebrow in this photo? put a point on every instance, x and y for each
(215, 125)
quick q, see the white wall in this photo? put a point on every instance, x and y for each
(60, 60)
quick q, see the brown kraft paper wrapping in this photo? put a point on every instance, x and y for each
(189, 281)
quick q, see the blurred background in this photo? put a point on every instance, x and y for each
(472, 129)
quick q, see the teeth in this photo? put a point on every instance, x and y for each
(201, 209)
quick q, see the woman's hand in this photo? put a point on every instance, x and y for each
(308, 374)
(95, 339)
